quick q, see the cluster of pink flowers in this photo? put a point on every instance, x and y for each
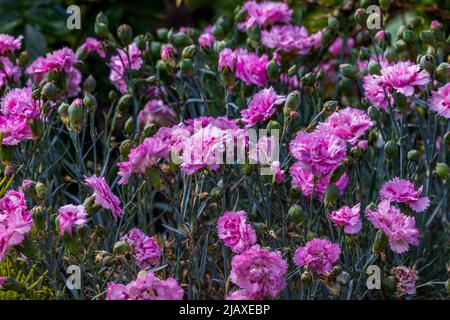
(15, 220)
(349, 218)
(403, 191)
(348, 124)
(62, 60)
(17, 108)
(144, 156)
(70, 216)
(9, 44)
(103, 196)
(265, 13)
(206, 39)
(338, 45)
(440, 101)
(250, 67)
(318, 255)
(261, 107)
(129, 59)
(288, 38)
(235, 232)
(155, 111)
(259, 272)
(398, 227)
(145, 249)
(318, 152)
(93, 45)
(304, 180)
(406, 280)
(147, 286)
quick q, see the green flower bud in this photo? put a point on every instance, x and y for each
(345, 84)
(155, 48)
(112, 96)
(91, 206)
(125, 102)
(101, 18)
(443, 72)
(390, 54)
(188, 52)
(292, 71)
(336, 270)
(292, 102)
(307, 278)
(90, 102)
(140, 41)
(107, 261)
(186, 66)
(89, 84)
(180, 39)
(162, 34)
(101, 30)
(360, 17)
(331, 195)
(41, 190)
(121, 247)
(150, 129)
(39, 217)
(76, 115)
(215, 194)
(413, 155)
(219, 46)
(125, 147)
(311, 235)
(364, 54)
(297, 214)
(294, 193)
(337, 173)
(259, 229)
(24, 57)
(390, 284)
(308, 79)
(348, 70)
(442, 170)
(330, 106)
(125, 34)
(428, 62)
(374, 68)
(327, 37)
(36, 128)
(129, 126)
(63, 113)
(49, 91)
(273, 71)
(273, 125)
(218, 31)
(428, 37)
(380, 243)
(391, 149)
(333, 23)
(374, 113)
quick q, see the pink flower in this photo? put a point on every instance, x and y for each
(92, 45)
(125, 60)
(278, 174)
(259, 272)
(15, 220)
(206, 39)
(242, 295)
(440, 101)
(318, 152)
(348, 218)
(403, 191)
(9, 44)
(8, 72)
(406, 280)
(404, 76)
(304, 180)
(168, 53)
(265, 13)
(336, 47)
(261, 107)
(435, 24)
(348, 124)
(103, 195)
(235, 232)
(145, 249)
(377, 92)
(19, 102)
(319, 255)
(227, 59)
(288, 38)
(144, 156)
(251, 68)
(146, 287)
(155, 111)
(399, 228)
(70, 216)
(15, 130)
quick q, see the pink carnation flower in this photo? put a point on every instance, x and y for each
(155, 111)
(206, 39)
(124, 61)
(19, 102)
(259, 272)
(336, 47)
(304, 180)
(406, 280)
(265, 13)
(278, 174)
(404, 76)
(9, 44)
(70, 216)
(242, 295)
(261, 107)
(93, 45)
(251, 68)
(103, 196)
(440, 101)
(288, 38)
(145, 249)
(146, 287)
(144, 156)
(377, 92)
(235, 232)
(15, 130)
(227, 59)
(8, 72)
(318, 152)
(399, 228)
(403, 191)
(348, 124)
(348, 217)
(15, 220)
(319, 255)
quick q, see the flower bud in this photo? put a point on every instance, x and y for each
(307, 278)
(337, 173)
(390, 284)
(294, 193)
(125, 34)
(374, 68)
(428, 37)
(63, 113)
(428, 62)
(41, 190)
(360, 17)
(330, 106)
(36, 128)
(308, 79)
(186, 66)
(259, 229)
(180, 39)
(24, 57)
(89, 84)
(49, 90)
(91, 206)
(390, 54)
(149, 130)
(374, 113)
(162, 34)
(90, 102)
(101, 29)
(443, 72)
(327, 37)
(391, 149)
(292, 102)
(141, 42)
(380, 243)
(39, 217)
(273, 71)
(273, 125)
(36, 92)
(333, 23)
(188, 52)
(76, 114)
(125, 147)
(129, 126)
(216, 194)
(121, 247)
(442, 170)
(413, 155)
(125, 102)
(218, 31)
(331, 195)
(348, 70)
(297, 214)
(101, 18)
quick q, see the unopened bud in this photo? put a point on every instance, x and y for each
(273, 71)
(76, 114)
(297, 214)
(125, 102)
(391, 149)
(90, 102)
(49, 90)
(89, 84)
(125, 34)
(428, 62)
(374, 68)
(348, 70)
(188, 52)
(121, 247)
(331, 195)
(292, 102)
(413, 155)
(41, 190)
(186, 66)
(442, 170)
